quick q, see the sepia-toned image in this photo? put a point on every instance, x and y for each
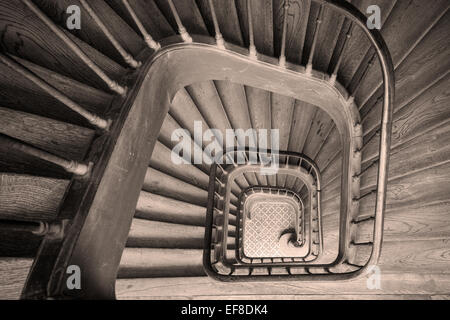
(225, 150)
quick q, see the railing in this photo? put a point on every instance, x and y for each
(296, 166)
(347, 231)
(100, 206)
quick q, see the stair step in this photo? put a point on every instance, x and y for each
(60, 138)
(155, 234)
(90, 31)
(160, 208)
(13, 274)
(157, 207)
(163, 184)
(148, 13)
(204, 287)
(21, 94)
(26, 197)
(189, 15)
(401, 38)
(146, 262)
(162, 161)
(41, 46)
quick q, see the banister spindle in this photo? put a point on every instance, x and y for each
(79, 169)
(114, 86)
(219, 37)
(253, 53)
(341, 54)
(282, 62)
(127, 57)
(309, 66)
(151, 43)
(181, 29)
(90, 117)
(39, 228)
(363, 75)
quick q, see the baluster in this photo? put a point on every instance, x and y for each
(92, 118)
(125, 55)
(219, 38)
(40, 228)
(151, 43)
(70, 166)
(253, 53)
(363, 75)
(282, 62)
(341, 54)
(114, 86)
(314, 43)
(181, 29)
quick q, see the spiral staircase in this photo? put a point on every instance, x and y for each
(87, 122)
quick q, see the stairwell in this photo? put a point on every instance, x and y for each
(164, 248)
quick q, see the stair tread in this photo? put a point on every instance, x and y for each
(90, 31)
(189, 287)
(155, 234)
(57, 137)
(25, 197)
(13, 274)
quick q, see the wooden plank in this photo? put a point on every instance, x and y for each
(358, 44)
(418, 222)
(163, 184)
(427, 186)
(227, 18)
(44, 48)
(148, 13)
(328, 152)
(30, 197)
(425, 113)
(189, 14)
(169, 126)
(160, 208)
(59, 138)
(327, 39)
(319, 131)
(208, 102)
(156, 234)
(21, 94)
(421, 256)
(426, 63)
(408, 23)
(391, 284)
(17, 162)
(282, 113)
(417, 154)
(162, 161)
(301, 122)
(90, 31)
(146, 262)
(13, 273)
(296, 28)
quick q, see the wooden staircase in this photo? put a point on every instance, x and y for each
(163, 254)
